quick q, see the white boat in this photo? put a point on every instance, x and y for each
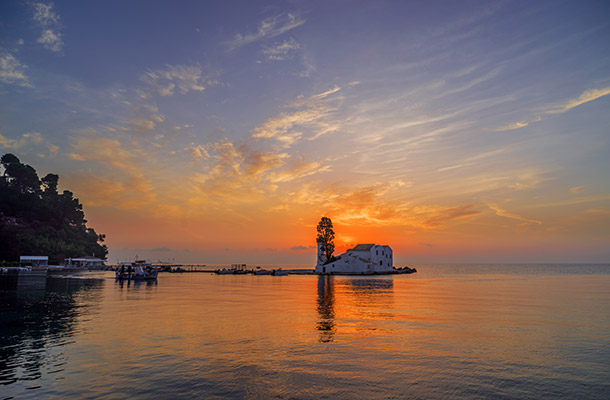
(139, 270)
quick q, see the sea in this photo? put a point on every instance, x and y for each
(446, 332)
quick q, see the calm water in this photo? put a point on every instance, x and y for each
(464, 332)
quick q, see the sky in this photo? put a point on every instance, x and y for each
(222, 131)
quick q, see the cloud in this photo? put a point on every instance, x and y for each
(51, 40)
(268, 28)
(162, 249)
(281, 51)
(585, 97)
(47, 19)
(368, 204)
(310, 113)
(107, 151)
(25, 140)
(12, 71)
(456, 166)
(241, 173)
(233, 171)
(577, 189)
(198, 152)
(145, 122)
(503, 213)
(323, 95)
(53, 149)
(513, 126)
(182, 78)
(381, 204)
(277, 127)
(302, 248)
(298, 169)
(577, 200)
(442, 215)
(472, 160)
(126, 191)
(309, 66)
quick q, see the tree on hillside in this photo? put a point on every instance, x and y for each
(36, 220)
(326, 236)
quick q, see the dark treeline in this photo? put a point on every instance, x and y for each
(37, 220)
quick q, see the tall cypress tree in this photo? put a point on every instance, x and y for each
(326, 236)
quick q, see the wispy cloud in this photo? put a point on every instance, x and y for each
(92, 146)
(506, 214)
(296, 170)
(48, 20)
(181, 78)
(381, 204)
(513, 126)
(441, 215)
(278, 126)
(577, 200)
(323, 95)
(25, 140)
(267, 28)
(282, 50)
(309, 65)
(12, 71)
(234, 172)
(472, 160)
(585, 97)
(311, 113)
(129, 191)
(146, 119)
(198, 152)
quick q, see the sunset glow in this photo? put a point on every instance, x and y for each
(220, 133)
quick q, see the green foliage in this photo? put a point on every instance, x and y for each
(36, 220)
(326, 236)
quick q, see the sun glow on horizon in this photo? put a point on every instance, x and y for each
(445, 132)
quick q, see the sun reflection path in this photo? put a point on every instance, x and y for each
(326, 308)
(369, 300)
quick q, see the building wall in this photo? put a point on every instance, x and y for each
(379, 259)
(37, 261)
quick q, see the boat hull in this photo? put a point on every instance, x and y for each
(136, 277)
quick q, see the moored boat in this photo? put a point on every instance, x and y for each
(279, 272)
(139, 270)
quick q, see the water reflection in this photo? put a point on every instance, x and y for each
(361, 298)
(135, 284)
(326, 308)
(37, 318)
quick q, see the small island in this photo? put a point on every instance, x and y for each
(363, 259)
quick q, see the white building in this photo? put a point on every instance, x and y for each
(85, 262)
(37, 261)
(364, 259)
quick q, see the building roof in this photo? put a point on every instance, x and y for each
(33, 258)
(363, 247)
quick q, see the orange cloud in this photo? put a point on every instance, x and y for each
(131, 191)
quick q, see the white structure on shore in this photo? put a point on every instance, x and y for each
(364, 259)
(37, 261)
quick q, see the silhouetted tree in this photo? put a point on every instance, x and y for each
(35, 219)
(326, 236)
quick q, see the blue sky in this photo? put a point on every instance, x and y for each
(453, 131)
